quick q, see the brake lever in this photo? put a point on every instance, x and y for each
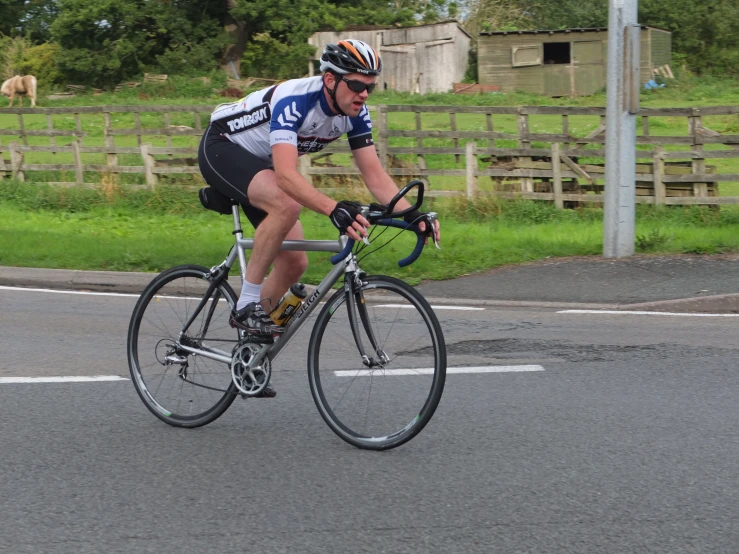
(366, 213)
(432, 217)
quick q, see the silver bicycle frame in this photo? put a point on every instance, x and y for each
(271, 351)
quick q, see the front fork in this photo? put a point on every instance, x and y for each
(356, 306)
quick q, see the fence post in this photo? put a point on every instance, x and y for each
(78, 126)
(453, 125)
(304, 166)
(471, 166)
(151, 179)
(557, 176)
(658, 169)
(382, 138)
(16, 161)
(50, 127)
(79, 176)
(110, 143)
(527, 183)
(137, 123)
(419, 142)
(4, 170)
(698, 164)
(22, 129)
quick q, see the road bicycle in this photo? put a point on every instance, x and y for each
(376, 357)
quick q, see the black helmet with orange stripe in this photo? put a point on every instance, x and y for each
(351, 56)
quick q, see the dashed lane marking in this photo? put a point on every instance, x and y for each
(95, 378)
(626, 312)
(430, 371)
(435, 307)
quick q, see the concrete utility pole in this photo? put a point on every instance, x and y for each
(623, 85)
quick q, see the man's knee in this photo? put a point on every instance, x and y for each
(265, 194)
(293, 208)
(294, 262)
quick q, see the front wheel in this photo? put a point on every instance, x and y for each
(386, 398)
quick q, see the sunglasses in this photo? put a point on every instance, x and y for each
(358, 86)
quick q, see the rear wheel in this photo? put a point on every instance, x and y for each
(182, 389)
(388, 403)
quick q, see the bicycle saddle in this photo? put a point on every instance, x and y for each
(211, 199)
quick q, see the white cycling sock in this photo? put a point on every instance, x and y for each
(249, 293)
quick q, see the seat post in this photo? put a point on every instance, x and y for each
(239, 235)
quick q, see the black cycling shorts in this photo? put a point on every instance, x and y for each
(229, 168)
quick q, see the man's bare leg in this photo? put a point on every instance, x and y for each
(289, 267)
(282, 215)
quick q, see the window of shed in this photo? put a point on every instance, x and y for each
(557, 52)
(522, 56)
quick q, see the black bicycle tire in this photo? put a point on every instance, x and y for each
(157, 283)
(437, 389)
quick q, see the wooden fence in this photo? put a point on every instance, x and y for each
(505, 155)
(149, 167)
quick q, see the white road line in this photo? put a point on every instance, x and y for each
(429, 371)
(128, 295)
(90, 293)
(357, 373)
(625, 312)
(15, 380)
(468, 308)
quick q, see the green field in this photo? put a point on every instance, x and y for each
(125, 230)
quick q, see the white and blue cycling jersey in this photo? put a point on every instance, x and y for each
(294, 112)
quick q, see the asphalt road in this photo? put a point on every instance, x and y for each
(625, 442)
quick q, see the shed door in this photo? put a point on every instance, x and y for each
(399, 68)
(435, 62)
(587, 59)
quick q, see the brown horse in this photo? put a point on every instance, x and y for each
(25, 85)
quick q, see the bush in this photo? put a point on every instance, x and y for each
(273, 59)
(40, 61)
(12, 50)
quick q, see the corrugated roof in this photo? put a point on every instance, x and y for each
(557, 31)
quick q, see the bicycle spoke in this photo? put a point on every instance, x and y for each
(178, 387)
(374, 407)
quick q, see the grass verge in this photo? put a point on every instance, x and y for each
(123, 230)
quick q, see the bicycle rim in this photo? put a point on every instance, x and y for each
(182, 389)
(381, 407)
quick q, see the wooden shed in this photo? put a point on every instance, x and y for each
(567, 62)
(420, 59)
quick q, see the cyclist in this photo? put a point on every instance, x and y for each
(250, 154)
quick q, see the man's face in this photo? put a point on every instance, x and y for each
(349, 100)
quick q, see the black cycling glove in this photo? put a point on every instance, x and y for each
(415, 217)
(345, 213)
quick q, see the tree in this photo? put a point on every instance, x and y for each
(494, 15)
(566, 14)
(277, 31)
(27, 18)
(105, 42)
(10, 22)
(706, 32)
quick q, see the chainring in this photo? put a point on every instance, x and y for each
(249, 381)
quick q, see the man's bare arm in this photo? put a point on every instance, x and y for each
(289, 179)
(380, 183)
